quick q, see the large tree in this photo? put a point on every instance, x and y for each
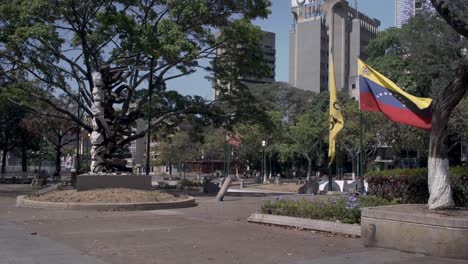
(428, 57)
(439, 178)
(57, 130)
(127, 44)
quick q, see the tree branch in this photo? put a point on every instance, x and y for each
(63, 111)
(450, 17)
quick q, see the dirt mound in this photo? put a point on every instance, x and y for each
(106, 196)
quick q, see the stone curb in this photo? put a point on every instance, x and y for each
(386, 213)
(21, 201)
(319, 225)
(256, 192)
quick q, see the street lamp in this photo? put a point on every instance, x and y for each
(270, 171)
(263, 162)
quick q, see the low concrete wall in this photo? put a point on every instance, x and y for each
(90, 182)
(23, 201)
(319, 225)
(413, 228)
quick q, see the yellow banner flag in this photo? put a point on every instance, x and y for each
(336, 118)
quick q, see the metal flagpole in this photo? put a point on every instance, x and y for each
(361, 160)
(361, 134)
(330, 60)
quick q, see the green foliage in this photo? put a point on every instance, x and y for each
(454, 171)
(410, 185)
(422, 67)
(186, 182)
(59, 44)
(178, 148)
(342, 209)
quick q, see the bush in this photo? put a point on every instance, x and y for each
(345, 209)
(186, 182)
(411, 186)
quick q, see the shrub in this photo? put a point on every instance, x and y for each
(345, 209)
(186, 182)
(411, 186)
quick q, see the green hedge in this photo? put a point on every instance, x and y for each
(343, 208)
(410, 185)
(187, 182)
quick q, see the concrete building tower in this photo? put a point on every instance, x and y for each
(406, 9)
(319, 27)
(268, 47)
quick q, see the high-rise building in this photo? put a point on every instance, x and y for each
(406, 9)
(319, 28)
(268, 46)
(269, 57)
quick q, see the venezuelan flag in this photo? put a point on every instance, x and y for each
(379, 94)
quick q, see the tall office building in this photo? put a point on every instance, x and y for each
(406, 9)
(269, 57)
(268, 46)
(319, 27)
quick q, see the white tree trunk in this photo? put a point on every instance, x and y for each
(439, 184)
(440, 189)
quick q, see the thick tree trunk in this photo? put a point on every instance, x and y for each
(24, 159)
(309, 167)
(438, 168)
(438, 164)
(58, 161)
(4, 157)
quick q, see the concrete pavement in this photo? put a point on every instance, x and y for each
(21, 247)
(212, 232)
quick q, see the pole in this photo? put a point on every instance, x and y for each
(40, 155)
(224, 161)
(361, 160)
(78, 135)
(228, 161)
(261, 168)
(148, 136)
(270, 171)
(337, 170)
(263, 165)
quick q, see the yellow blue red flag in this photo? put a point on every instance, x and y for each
(379, 94)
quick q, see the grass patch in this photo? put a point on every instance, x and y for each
(343, 209)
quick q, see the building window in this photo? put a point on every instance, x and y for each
(308, 11)
(353, 86)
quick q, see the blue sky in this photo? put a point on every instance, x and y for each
(279, 22)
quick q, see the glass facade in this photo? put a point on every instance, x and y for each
(405, 9)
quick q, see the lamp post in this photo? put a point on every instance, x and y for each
(148, 136)
(40, 155)
(270, 171)
(263, 162)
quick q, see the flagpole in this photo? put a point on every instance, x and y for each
(361, 140)
(361, 160)
(331, 62)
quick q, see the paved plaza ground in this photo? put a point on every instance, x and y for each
(212, 232)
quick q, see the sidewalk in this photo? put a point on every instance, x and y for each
(212, 232)
(18, 247)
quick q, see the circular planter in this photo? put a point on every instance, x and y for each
(23, 201)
